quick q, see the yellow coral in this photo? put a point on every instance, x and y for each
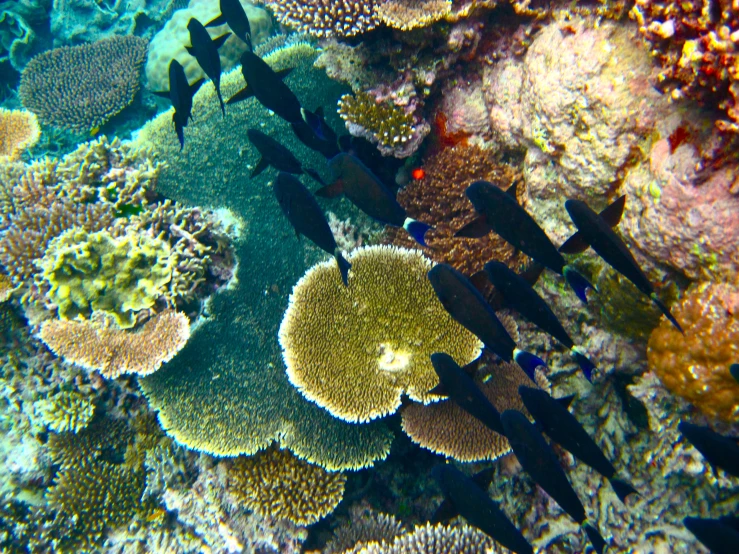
(387, 123)
(67, 410)
(19, 130)
(355, 350)
(6, 287)
(431, 539)
(411, 14)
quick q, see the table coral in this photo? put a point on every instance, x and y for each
(19, 130)
(82, 87)
(391, 322)
(695, 366)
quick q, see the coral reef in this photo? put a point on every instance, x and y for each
(391, 323)
(19, 130)
(66, 410)
(695, 366)
(277, 485)
(113, 351)
(364, 525)
(321, 18)
(432, 539)
(82, 87)
(411, 14)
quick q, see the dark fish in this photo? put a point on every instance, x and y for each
(500, 212)
(519, 295)
(468, 307)
(632, 406)
(539, 460)
(306, 217)
(233, 14)
(473, 503)
(205, 51)
(562, 427)
(461, 389)
(595, 230)
(447, 511)
(316, 122)
(275, 154)
(370, 195)
(180, 93)
(307, 136)
(734, 370)
(718, 450)
(720, 536)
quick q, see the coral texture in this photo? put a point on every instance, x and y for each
(391, 322)
(82, 87)
(364, 525)
(432, 539)
(695, 366)
(411, 14)
(324, 18)
(113, 351)
(18, 130)
(67, 410)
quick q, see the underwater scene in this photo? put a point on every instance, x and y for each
(369, 276)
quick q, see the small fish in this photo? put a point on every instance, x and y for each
(276, 155)
(233, 14)
(369, 194)
(316, 122)
(461, 389)
(720, 536)
(468, 307)
(205, 51)
(564, 429)
(595, 230)
(307, 136)
(180, 94)
(307, 218)
(718, 450)
(539, 460)
(632, 406)
(734, 370)
(474, 504)
(500, 212)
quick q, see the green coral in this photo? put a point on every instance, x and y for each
(67, 410)
(95, 271)
(387, 123)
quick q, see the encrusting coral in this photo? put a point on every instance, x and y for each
(390, 323)
(19, 130)
(82, 87)
(695, 366)
(276, 484)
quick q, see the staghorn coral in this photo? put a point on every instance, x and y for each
(390, 127)
(440, 200)
(391, 322)
(82, 87)
(364, 525)
(83, 272)
(445, 428)
(695, 366)
(696, 43)
(432, 539)
(67, 410)
(19, 130)
(324, 18)
(113, 351)
(411, 14)
(277, 485)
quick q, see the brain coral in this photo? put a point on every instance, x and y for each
(82, 87)
(695, 366)
(326, 18)
(18, 130)
(84, 272)
(277, 485)
(355, 350)
(169, 43)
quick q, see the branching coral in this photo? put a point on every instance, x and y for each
(695, 366)
(325, 18)
(67, 410)
(82, 87)
(18, 130)
(113, 351)
(432, 539)
(390, 323)
(364, 525)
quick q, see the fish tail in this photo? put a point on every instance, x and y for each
(315, 176)
(344, 267)
(585, 364)
(598, 542)
(622, 489)
(220, 100)
(528, 362)
(577, 282)
(666, 311)
(416, 229)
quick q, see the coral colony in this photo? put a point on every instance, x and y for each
(369, 276)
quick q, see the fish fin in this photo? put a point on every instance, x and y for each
(439, 390)
(190, 50)
(282, 73)
(730, 521)
(344, 267)
(475, 229)
(196, 85)
(243, 94)
(574, 245)
(218, 21)
(734, 370)
(483, 478)
(180, 130)
(666, 311)
(262, 164)
(218, 41)
(622, 489)
(314, 122)
(416, 229)
(612, 214)
(512, 190)
(331, 191)
(532, 273)
(161, 93)
(220, 99)
(585, 364)
(319, 111)
(445, 512)
(314, 174)
(471, 368)
(528, 362)
(598, 542)
(577, 282)
(565, 401)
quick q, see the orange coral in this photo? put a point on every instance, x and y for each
(695, 366)
(438, 199)
(18, 130)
